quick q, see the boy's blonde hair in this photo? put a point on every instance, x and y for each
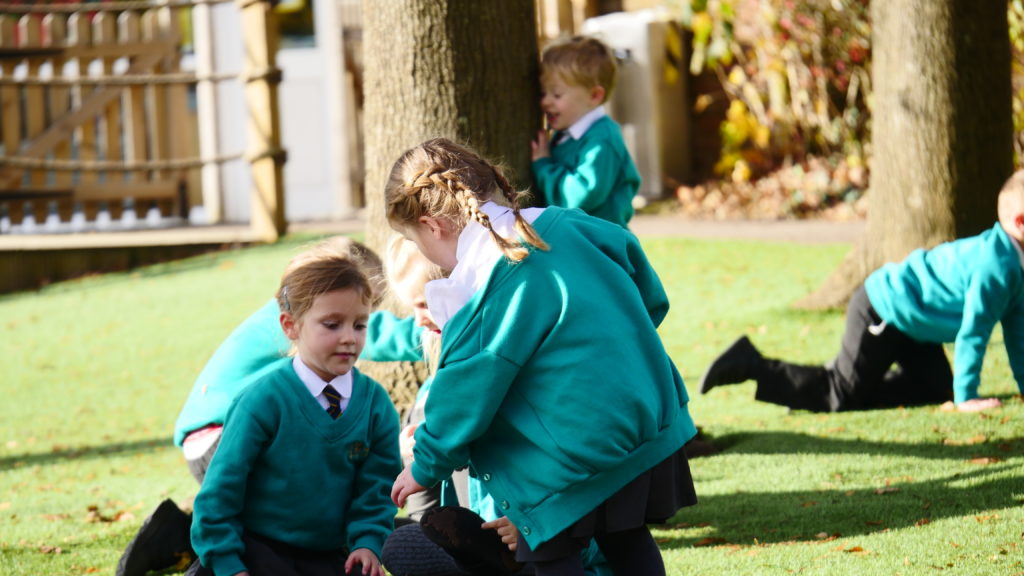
(337, 263)
(581, 61)
(1011, 196)
(445, 180)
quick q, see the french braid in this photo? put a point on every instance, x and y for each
(442, 179)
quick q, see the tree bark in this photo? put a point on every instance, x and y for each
(942, 132)
(460, 69)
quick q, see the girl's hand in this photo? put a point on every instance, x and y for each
(506, 529)
(405, 486)
(973, 405)
(406, 442)
(367, 559)
(540, 146)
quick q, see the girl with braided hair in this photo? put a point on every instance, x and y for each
(548, 324)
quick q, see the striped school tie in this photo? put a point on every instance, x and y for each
(333, 401)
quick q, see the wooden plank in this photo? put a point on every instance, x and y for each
(206, 109)
(80, 34)
(157, 121)
(117, 191)
(35, 112)
(10, 113)
(177, 98)
(129, 32)
(55, 28)
(104, 31)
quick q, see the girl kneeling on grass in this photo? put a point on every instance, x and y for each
(552, 384)
(299, 483)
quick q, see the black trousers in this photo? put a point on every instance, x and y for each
(266, 557)
(878, 366)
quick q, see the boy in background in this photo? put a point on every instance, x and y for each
(584, 163)
(896, 323)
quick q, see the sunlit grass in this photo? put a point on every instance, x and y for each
(95, 371)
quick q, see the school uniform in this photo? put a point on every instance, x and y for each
(590, 168)
(553, 382)
(956, 292)
(248, 353)
(295, 480)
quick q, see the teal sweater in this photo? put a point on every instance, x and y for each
(553, 381)
(247, 353)
(957, 292)
(594, 173)
(288, 471)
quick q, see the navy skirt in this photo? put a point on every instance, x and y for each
(653, 497)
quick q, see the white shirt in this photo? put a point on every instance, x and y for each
(316, 385)
(580, 127)
(475, 256)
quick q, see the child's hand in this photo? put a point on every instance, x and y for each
(541, 146)
(973, 405)
(405, 486)
(406, 442)
(506, 529)
(367, 559)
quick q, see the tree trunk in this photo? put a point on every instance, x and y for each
(460, 69)
(942, 132)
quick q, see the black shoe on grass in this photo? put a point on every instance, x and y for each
(738, 363)
(162, 542)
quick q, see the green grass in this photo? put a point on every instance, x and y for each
(95, 371)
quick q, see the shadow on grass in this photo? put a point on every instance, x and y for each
(62, 454)
(752, 518)
(793, 442)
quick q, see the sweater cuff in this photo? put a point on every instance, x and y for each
(422, 475)
(226, 565)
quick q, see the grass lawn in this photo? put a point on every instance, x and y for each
(95, 371)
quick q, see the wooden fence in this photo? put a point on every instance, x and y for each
(101, 122)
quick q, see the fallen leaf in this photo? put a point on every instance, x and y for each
(711, 541)
(854, 549)
(873, 522)
(809, 503)
(985, 460)
(887, 490)
(50, 549)
(978, 439)
(5, 505)
(923, 521)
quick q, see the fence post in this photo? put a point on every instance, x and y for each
(266, 157)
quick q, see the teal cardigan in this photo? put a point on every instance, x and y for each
(957, 292)
(247, 353)
(288, 471)
(553, 382)
(595, 174)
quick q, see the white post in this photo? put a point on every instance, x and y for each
(206, 108)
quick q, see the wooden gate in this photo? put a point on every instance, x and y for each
(104, 127)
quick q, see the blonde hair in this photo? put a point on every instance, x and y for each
(337, 263)
(445, 180)
(1011, 196)
(581, 61)
(402, 257)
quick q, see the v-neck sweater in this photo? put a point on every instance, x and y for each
(288, 471)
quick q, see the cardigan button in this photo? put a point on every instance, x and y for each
(504, 504)
(525, 530)
(486, 477)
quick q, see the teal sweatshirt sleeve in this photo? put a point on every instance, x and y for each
(371, 512)
(216, 524)
(985, 300)
(647, 281)
(587, 185)
(1013, 338)
(392, 339)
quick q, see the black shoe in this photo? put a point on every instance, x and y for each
(475, 550)
(162, 542)
(737, 364)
